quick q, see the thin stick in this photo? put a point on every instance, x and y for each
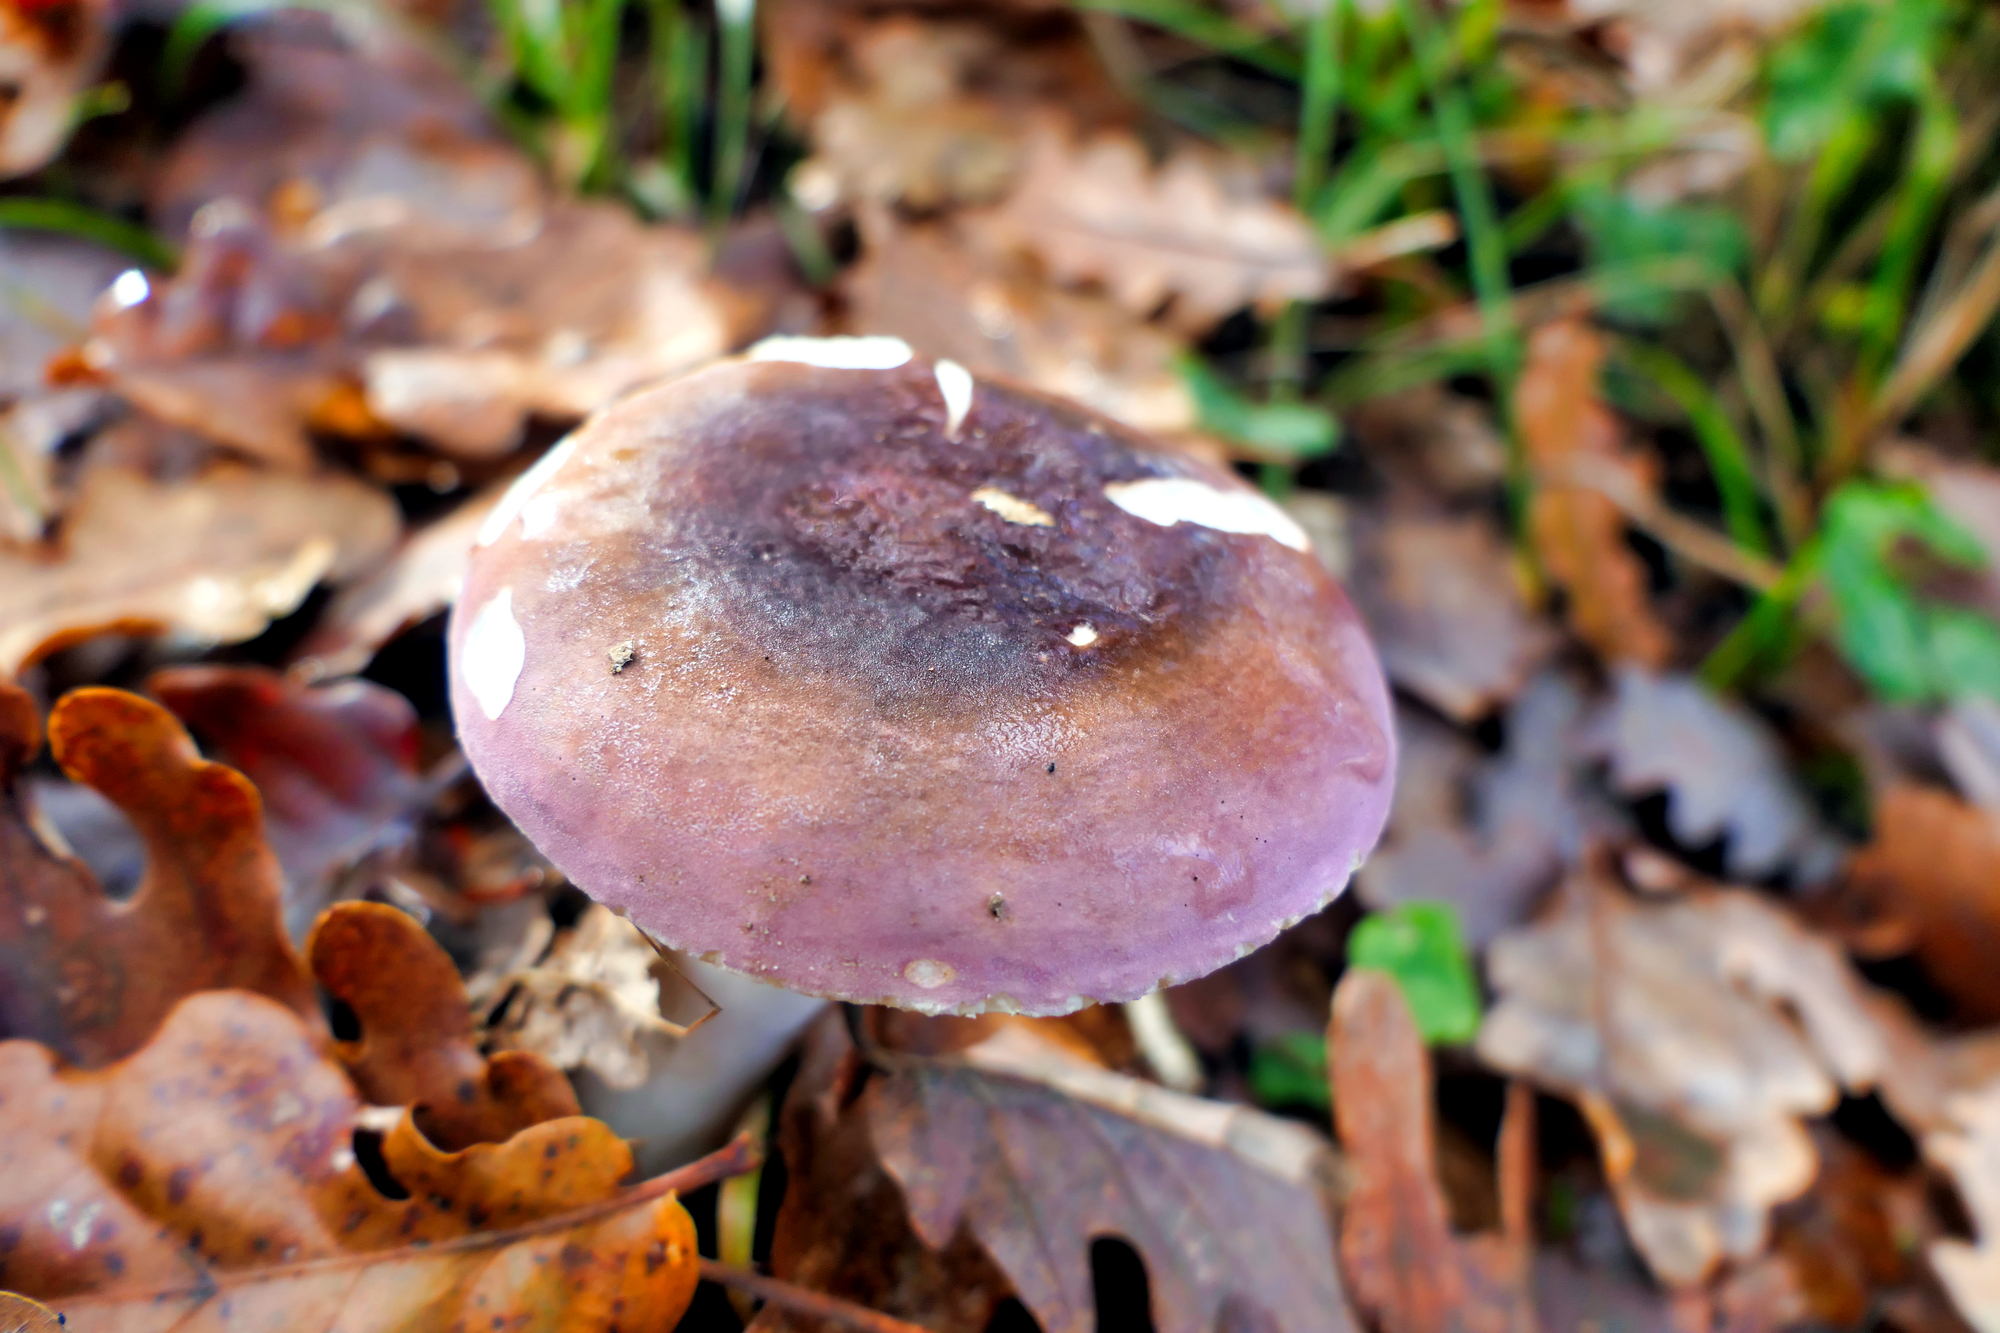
(1684, 537)
(798, 1300)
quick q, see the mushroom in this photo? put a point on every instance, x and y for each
(832, 667)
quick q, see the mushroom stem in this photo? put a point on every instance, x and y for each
(699, 1085)
(1160, 1041)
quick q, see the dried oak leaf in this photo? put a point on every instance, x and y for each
(1099, 212)
(843, 1228)
(90, 977)
(421, 579)
(1440, 596)
(1487, 835)
(50, 50)
(592, 1002)
(1695, 1034)
(213, 559)
(1037, 1153)
(1721, 768)
(417, 1045)
(210, 1180)
(1929, 884)
(1578, 532)
(1405, 1269)
(336, 765)
(995, 316)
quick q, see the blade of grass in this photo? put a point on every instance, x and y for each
(1207, 28)
(1933, 151)
(85, 223)
(1757, 370)
(732, 120)
(1486, 243)
(1764, 624)
(1319, 108)
(1833, 171)
(1728, 460)
(1928, 355)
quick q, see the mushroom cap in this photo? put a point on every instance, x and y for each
(879, 684)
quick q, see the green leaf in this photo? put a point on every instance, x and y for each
(1910, 649)
(1850, 55)
(1422, 946)
(1621, 231)
(1290, 1070)
(1286, 430)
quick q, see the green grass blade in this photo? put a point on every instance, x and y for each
(85, 223)
(1206, 27)
(1319, 109)
(732, 149)
(1728, 460)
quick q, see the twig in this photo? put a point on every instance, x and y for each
(798, 1300)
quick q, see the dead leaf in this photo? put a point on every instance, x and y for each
(336, 765)
(1577, 531)
(49, 52)
(214, 559)
(993, 316)
(417, 1046)
(1671, 1024)
(1402, 1262)
(843, 1227)
(591, 1002)
(421, 579)
(1968, 1148)
(1038, 1153)
(90, 977)
(1929, 884)
(1487, 835)
(1099, 212)
(1431, 439)
(1440, 596)
(1722, 770)
(1853, 1234)
(213, 1172)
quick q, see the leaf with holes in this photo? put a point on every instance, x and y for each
(1038, 1153)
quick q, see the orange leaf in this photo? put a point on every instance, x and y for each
(416, 1046)
(91, 977)
(1579, 532)
(168, 1186)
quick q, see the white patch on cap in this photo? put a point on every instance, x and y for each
(495, 651)
(129, 289)
(835, 353)
(1083, 635)
(1170, 500)
(955, 383)
(523, 490)
(929, 973)
(1012, 508)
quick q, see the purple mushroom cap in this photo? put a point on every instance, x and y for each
(834, 667)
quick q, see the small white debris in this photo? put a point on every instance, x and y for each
(929, 973)
(1170, 500)
(1013, 508)
(874, 353)
(523, 490)
(955, 383)
(495, 652)
(1082, 636)
(620, 656)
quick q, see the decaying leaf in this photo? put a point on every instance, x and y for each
(416, 1046)
(844, 1229)
(592, 1002)
(421, 579)
(336, 765)
(1672, 1024)
(1721, 768)
(1038, 1153)
(212, 1175)
(213, 559)
(1486, 835)
(993, 315)
(1929, 884)
(1406, 1270)
(1440, 596)
(1579, 532)
(90, 977)
(50, 50)
(1968, 1147)
(1099, 212)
